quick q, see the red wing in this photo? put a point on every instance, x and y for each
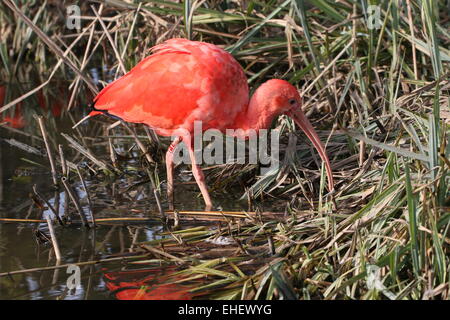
(181, 82)
(154, 92)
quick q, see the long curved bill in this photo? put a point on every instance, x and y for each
(303, 122)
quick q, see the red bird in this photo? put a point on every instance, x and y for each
(185, 81)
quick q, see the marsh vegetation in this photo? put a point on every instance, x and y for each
(374, 78)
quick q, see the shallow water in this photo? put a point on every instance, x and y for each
(19, 245)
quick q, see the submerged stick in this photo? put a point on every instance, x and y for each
(40, 120)
(53, 238)
(75, 201)
(48, 205)
(112, 153)
(87, 196)
(63, 160)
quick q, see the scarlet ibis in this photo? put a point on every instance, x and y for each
(183, 81)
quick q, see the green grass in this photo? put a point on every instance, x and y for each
(380, 96)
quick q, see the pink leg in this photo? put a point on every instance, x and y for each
(198, 175)
(169, 170)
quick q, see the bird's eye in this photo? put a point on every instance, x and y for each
(292, 101)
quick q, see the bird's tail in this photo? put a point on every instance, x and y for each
(94, 112)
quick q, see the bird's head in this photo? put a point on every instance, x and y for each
(284, 98)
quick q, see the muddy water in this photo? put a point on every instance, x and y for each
(22, 245)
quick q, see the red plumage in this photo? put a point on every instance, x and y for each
(182, 81)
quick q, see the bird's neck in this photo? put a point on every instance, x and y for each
(258, 115)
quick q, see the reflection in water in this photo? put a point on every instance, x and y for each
(22, 252)
(148, 284)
